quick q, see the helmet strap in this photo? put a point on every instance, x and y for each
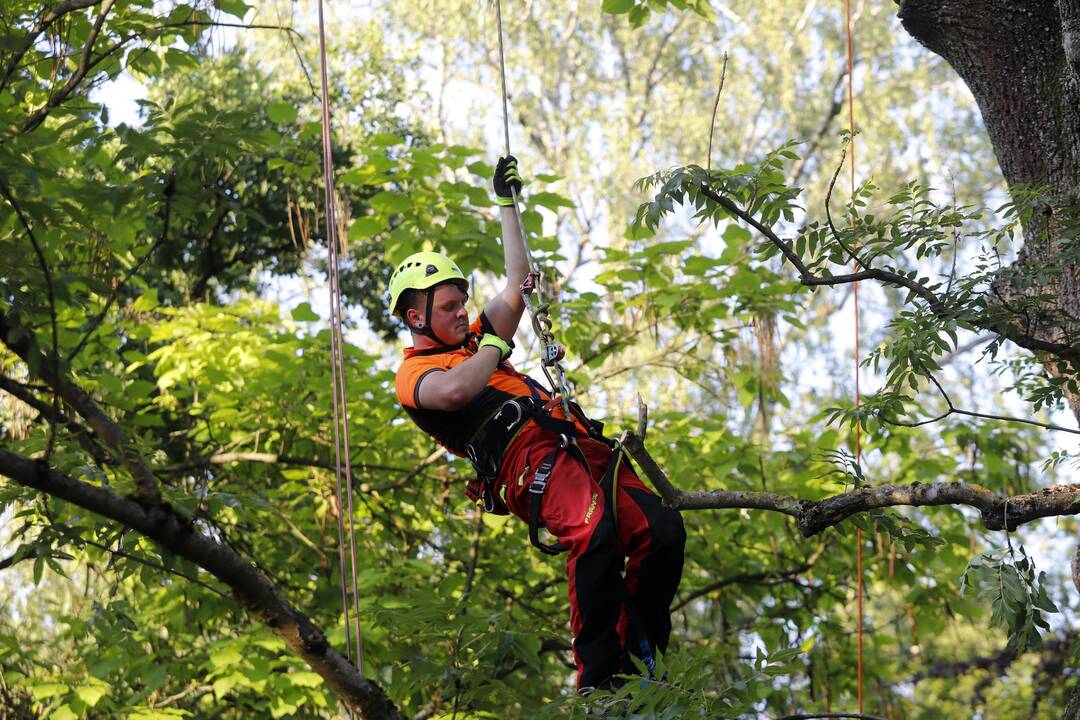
(426, 330)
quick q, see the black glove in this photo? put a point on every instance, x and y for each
(506, 178)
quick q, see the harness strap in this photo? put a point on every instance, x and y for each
(536, 500)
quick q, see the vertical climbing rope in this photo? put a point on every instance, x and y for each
(342, 460)
(858, 396)
(551, 353)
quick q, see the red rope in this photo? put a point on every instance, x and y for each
(858, 396)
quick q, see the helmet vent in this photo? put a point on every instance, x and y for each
(431, 270)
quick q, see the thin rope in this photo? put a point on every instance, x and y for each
(858, 394)
(541, 322)
(342, 460)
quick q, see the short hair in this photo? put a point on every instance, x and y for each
(410, 298)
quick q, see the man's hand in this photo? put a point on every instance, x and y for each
(506, 181)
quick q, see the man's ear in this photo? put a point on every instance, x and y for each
(414, 319)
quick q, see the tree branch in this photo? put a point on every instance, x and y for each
(835, 107)
(50, 294)
(828, 215)
(953, 410)
(224, 458)
(998, 512)
(40, 26)
(35, 119)
(936, 304)
(81, 434)
(19, 339)
(154, 565)
(251, 588)
(770, 577)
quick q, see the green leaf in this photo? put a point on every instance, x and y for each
(44, 691)
(388, 202)
(225, 658)
(617, 7)
(365, 227)
(236, 8)
(304, 313)
(385, 140)
(147, 301)
(305, 679)
(91, 694)
(282, 113)
(64, 712)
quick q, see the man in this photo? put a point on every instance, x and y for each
(456, 385)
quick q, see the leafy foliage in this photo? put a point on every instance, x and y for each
(152, 243)
(1018, 597)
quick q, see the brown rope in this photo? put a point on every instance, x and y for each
(342, 460)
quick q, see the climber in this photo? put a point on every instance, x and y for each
(550, 470)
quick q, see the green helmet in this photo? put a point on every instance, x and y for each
(421, 271)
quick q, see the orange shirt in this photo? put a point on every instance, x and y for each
(454, 429)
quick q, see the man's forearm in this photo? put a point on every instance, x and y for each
(514, 252)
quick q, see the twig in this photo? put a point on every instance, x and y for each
(151, 564)
(956, 240)
(712, 122)
(834, 109)
(289, 32)
(953, 410)
(224, 458)
(828, 215)
(17, 338)
(81, 434)
(169, 190)
(76, 77)
(980, 340)
(42, 24)
(772, 577)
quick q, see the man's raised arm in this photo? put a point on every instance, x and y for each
(504, 310)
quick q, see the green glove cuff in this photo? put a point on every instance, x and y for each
(496, 342)
(504, 201)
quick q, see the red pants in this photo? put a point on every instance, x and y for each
(648, 535)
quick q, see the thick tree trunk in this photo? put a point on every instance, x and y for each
(1021, 61)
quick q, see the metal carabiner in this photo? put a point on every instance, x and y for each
(517, 409)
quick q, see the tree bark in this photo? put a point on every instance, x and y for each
(1021, 61)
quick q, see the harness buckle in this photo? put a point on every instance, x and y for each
(540, 480)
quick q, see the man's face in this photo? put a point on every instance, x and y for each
(449, 318)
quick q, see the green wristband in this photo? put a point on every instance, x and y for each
(496, 342)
